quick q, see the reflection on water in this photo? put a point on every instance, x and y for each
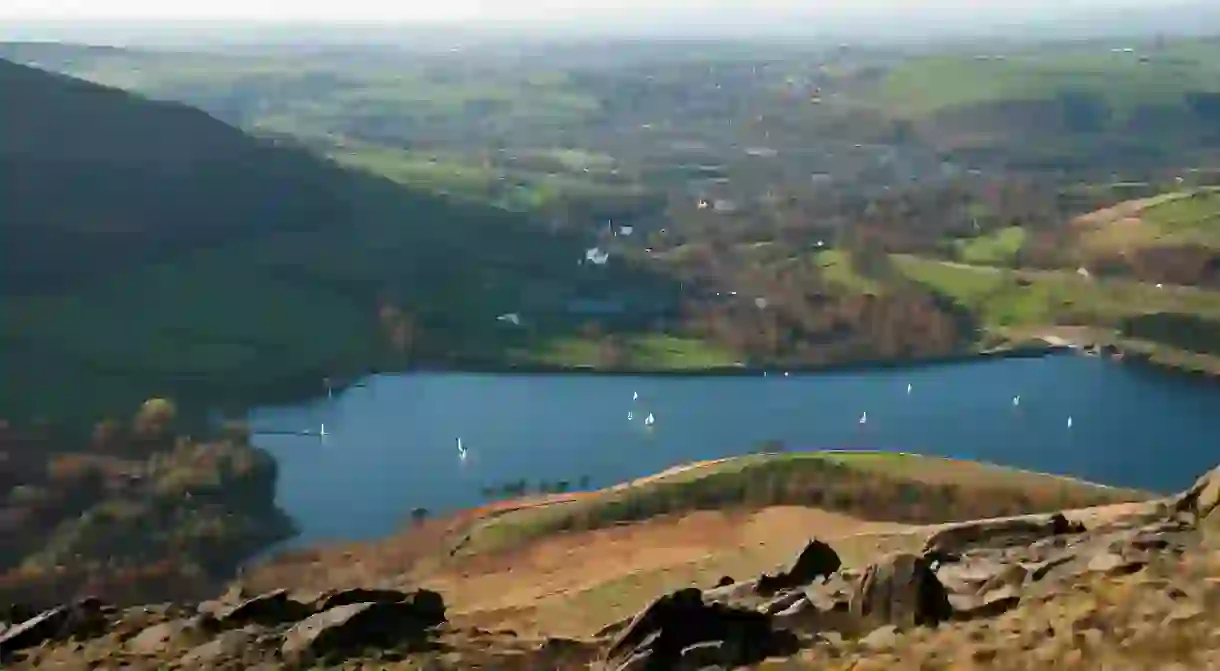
(389, 446)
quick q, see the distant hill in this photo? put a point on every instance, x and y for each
(150, 249)
(1128, 103)
(95, 178)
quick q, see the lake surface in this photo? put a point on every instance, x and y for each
(391, 443)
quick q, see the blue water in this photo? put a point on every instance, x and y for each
(391, 444)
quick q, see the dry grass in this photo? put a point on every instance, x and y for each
(574, 583)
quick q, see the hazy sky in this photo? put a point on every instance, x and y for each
(385, 10)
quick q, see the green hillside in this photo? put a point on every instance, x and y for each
(153, 250)
(1065, 105)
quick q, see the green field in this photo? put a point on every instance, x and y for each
(998, 248)
(1006, 298)
(1194, 215)
(924, 86)
(837, 268)
(638, 352)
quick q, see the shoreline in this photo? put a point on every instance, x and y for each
(744, 370)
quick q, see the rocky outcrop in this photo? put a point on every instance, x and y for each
(241, 631)
(902, 591)
(1200, 502)
(1011, 531)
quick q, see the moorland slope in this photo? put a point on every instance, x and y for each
(1127, 585)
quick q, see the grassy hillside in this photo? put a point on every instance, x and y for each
(1066, 105)
(1124, 81)
(868, 485)
(158, 251)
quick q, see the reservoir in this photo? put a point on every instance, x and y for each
(391, 442)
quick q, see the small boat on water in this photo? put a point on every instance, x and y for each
(650, 420)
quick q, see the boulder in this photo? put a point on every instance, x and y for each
(817, 560)
(1010, 575)
(1115, 564)
(956, 539)
(985, 605)
(1042, 569)
(902, 591)
(345, 597)
(659, 636)
(158, 638)
(82, 619)
(226, 647)
(337, 632)
(270, 609)
(1201, 500)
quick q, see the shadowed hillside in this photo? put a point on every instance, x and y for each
(94, 179)
(153, 250)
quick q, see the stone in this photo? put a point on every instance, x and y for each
(817, 560)
(903, 591)
(270, 609)
(1036, 572)
(783, 602)
(344, 597)
(955, 539)
(1010, 575)
(702, 655)
(1114, 564)
(1202, 499)
(158, 638)
(85, 618)
(344, 629)
(881, 638)
(677, 621)
(226, 645)
(1182, 613)
(986, 605)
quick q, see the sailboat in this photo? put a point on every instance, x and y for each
(635, 395)
(461, 450)
(1016, 400)
(322, 431)
(1069, 421)
(908, 388)
(864, 417)
(650, 420)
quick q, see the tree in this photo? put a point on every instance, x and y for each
(155, 417)
(106, 434)
(419, 515)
